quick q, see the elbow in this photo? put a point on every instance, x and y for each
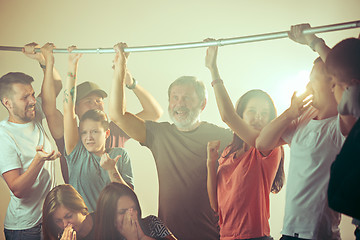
(228, 117)
(225, 118)
(261, 146)
(114, 115)
(157, 114)
(117, 118)
(19, 194)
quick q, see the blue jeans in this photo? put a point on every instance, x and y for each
(33, 233)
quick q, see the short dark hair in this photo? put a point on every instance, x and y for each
(97, 116)
(191, 80)
(11, 78)
(343, 61)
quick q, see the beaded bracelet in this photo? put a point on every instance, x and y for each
(70, 74)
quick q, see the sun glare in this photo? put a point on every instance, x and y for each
(290, 84)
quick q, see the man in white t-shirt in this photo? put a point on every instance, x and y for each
(26, 157)
(315, 133)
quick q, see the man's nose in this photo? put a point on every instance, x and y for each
(32, 100)
(181, 102)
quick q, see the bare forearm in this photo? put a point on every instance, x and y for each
(53, 115)
(117, 104)
(115, 176)
(21, 184)
(322, 49)
(70, 124)
(211, 185)
(228, 113)
(270, 135)
(128, 122)
(57, 81)
(151, 108)
(48, 91)
(55, 123)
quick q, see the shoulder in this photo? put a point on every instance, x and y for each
(113, 152)
(78, 151)
(4, 126)
(215, 128)
(152, 220)
(117, 151)
(11, 130)
(152, 124)
(155, 227)
(159, 128)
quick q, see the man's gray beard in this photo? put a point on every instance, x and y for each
(192, 118)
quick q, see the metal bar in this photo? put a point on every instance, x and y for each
(220, 42)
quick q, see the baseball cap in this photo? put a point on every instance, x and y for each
(85, 88)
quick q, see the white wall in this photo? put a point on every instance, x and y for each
(274, 66)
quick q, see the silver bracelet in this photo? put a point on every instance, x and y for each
(132, 86)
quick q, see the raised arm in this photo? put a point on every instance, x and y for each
(29, 51)
(71, 133)
(212, 156)
(226, 108)
(151, 108)
(129, 123)
(270, 135)
(316, 44)
(54, 117)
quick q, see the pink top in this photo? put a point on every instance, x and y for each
(243, 188)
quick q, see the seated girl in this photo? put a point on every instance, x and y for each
(118, 216)
(65, 215)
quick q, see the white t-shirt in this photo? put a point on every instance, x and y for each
(314, 145)
(17, 150)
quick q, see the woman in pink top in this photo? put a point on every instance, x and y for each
(239, 190)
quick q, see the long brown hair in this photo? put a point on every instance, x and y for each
(62, 195)
(106, 210)
(237, 143)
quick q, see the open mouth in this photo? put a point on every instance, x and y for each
(181, 112)
(31, 108)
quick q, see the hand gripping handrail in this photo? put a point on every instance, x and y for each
(219, 42)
